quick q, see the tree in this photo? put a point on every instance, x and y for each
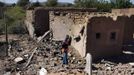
(86, 3)
(51, 3)
(62, 4)
(36, 4)
(14, 18)
(2, 4)
(23, 3)
(104, 6)
(121, 3)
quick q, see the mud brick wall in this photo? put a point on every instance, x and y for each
(129, 29)
(41, 21)
(37, 21)
(85, 29)
(105, 36)
(127, 11)
(82, 27)
(99, 33)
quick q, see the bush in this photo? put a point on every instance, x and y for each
(17, 29)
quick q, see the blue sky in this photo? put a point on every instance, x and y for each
(71, 1)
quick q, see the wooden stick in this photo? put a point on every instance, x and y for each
(35, 49)
(31, 57)
(41, 38)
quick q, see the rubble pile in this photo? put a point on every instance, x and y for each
(110, 68)
(48, 55)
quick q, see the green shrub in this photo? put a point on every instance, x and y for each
(17, 29)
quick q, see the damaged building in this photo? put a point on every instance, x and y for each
(99, 33)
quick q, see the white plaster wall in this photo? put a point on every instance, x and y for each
(60, 26)
(28, 22)
(70, 24)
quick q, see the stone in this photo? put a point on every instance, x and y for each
(128, 52)
(43, 71)
(69, 54)
(7, 73)
(132, 63)
(73, 58)
(20, 50)
(18, 73)
(108, 68)
(18, 59)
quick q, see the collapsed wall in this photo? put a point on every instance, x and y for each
(99, 33)
(37, 21)
(72, 24)
(77, 25)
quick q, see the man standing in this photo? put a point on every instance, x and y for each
(65, 45)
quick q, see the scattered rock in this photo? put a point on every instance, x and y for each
(7, 73)
(43, 71)
(18, 73)
(18, 59)
(132, 63)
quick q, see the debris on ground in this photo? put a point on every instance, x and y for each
(27, 57)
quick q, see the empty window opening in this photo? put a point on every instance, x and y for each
(78, 38)
(113, 36)
(82, 30)
(98, 35)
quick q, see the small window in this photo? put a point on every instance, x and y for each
(113, 36)
(98, 35)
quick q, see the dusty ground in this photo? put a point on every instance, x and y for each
(48, 55)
